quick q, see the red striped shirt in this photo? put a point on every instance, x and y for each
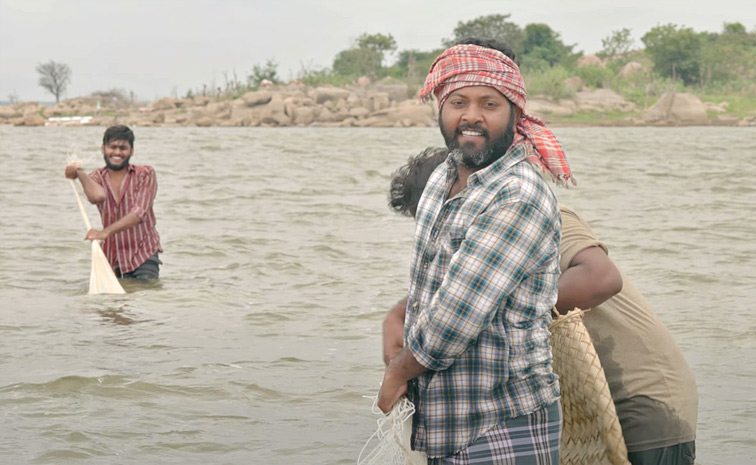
(131, 247)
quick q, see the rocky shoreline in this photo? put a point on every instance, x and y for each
(361, 105)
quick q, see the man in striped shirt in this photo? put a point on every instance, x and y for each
(123, 194)
(476, 360)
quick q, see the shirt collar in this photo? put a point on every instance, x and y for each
(514, 155)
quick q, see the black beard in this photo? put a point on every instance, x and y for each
(117, 167)
(489, 153)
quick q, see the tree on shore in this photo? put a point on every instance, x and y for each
(366, 57)
(616, 44)
(54, 77)
(495, 27)
(543, 48)
(675, 52)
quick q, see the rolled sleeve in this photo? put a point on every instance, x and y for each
(495, 256)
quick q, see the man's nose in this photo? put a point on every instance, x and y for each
(472, 114)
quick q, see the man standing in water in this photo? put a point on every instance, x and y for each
(653, 387)
(123, 194)
(483, 280)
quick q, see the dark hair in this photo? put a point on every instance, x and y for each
(489, 43)
(408, 182)
(118, 132)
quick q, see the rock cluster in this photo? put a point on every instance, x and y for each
(382, 105)
(361, 105)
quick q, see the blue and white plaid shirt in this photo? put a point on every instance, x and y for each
(483, 281)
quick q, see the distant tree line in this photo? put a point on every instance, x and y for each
(677, 55)
(674, 53)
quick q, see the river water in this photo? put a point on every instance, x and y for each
(262, 337)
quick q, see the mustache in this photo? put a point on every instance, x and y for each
(471, 127)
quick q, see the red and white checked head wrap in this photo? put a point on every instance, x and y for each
(472, 65)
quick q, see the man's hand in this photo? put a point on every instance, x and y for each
(392, 389)
(71, 170)
(96, 235)
(401, 369)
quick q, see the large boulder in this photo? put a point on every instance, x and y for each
(602, 100)
(202, 118)
(8, 111)
(396, 92)
(362, 82)
(359, 112)
(199, 101)
(165, 103)
(677, 109)
(328, 116)
(688, 109)
(276, 104)
(712, 107)
(220, 110)
(725, 120)
(542, 108)
(248, 116)
(292, 103)
(303, 116)
(274, 113)
(252, 99)
(748, 121)
(379, 100)
(589, 60)
(325, 94)
(30, 119)
(630, 69)
(26, 108)
(407, 113)
(204, 122)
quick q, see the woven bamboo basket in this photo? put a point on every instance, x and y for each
(591, 431)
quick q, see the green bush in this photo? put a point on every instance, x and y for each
(549, 82)
(595, 76)
(324, 76)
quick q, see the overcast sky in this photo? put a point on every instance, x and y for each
(156, 47)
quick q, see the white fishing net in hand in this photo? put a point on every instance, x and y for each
(391, 441)
(102, 279)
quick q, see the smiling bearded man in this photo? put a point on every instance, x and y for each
(124, 194)
(476, 360)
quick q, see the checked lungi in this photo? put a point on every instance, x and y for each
(526, 440)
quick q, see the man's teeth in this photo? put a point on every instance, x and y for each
(471, 133)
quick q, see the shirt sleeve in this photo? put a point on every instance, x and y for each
(576, 237)
(96, 176)
(500, 248)
(145, 190)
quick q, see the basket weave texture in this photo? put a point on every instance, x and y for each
(591, 431)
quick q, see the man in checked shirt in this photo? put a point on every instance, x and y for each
(123, 194)
(476, 360)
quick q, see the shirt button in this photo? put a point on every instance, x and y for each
(415, 305)
(425, 266)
